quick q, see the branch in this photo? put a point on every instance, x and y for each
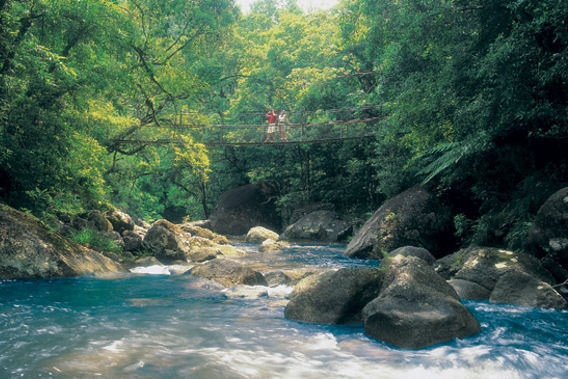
(561, 284)
(189, 40)
(148, 69)
(115, 147)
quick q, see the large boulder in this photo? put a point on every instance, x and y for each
(323, 225)
(334, 297)
(228, 273)
(259, 234)
(120, 221)
(548, 234)
(499, 275)
(29, 250)
(241, 208)
(166, 241)
(485, 265)
(416, 307)
(520, 288)
(415, 217)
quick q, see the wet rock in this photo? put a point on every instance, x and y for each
(259, 234)
(413, 251)
(29, 250)
(231, 251)
(272, 246)
(166, 241)
(520, 288)
(416, 307)
(228, 273)
(322, 225)
(277, 278)
(415, 217)
(469, 290)
(242, 208)
(485, 265)
(334, 297)
(120, 221)
(247, 292)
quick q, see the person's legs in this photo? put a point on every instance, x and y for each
(270, 133)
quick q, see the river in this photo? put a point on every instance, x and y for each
(143, 325)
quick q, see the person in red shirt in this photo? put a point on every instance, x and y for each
(271, 131)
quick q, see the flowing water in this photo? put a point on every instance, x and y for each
(137, 325)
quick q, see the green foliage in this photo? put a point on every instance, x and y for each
(95, 240)
(474, 95)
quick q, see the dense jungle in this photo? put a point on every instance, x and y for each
(227, 188)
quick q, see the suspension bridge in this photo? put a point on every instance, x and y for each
(233, 134)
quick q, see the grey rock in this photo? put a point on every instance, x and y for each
(29, 250)
(242, 208)
(166, 241)
(548, 234)
(520, 288)
(277, 278)
(334, 297)
(132, 240)
(414, 217)
(120, 221)
(197, 230)
(259, 234)
(469, 290)
(323, 225)
(228, 273)
(485, 265)
(416, 307)
(413, 251)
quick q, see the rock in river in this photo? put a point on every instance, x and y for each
(228, 273)
(520, 288)
(416, 307)
(485, 265)
(166, 241)
(259, 234)
(334, 297)
(322, 225)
